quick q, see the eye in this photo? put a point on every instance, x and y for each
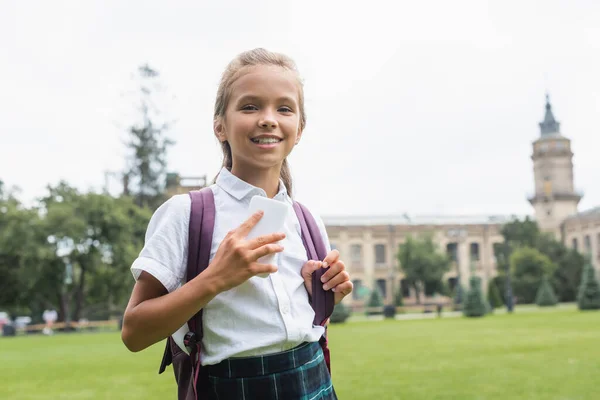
(285, 109)
(249, 107)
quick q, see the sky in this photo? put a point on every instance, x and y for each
(423, 108)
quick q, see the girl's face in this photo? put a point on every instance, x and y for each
(262, 119)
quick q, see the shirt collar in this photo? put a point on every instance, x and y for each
(240, 189)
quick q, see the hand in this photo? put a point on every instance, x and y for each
(236, 259)
(336, 278)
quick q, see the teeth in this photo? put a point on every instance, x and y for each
(265, 140)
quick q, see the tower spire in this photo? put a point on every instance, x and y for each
(549, 125)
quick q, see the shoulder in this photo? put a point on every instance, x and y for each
(174, 211)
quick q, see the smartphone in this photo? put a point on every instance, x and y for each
(272, 221)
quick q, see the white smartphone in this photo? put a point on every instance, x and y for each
(272, 221)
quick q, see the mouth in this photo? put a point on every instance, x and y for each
(266, 142)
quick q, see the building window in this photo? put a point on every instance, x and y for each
(474, 251)
(381, 286)
(379, 254)
(587, 243)
(356, 253)
(575, 246)
(452, 250)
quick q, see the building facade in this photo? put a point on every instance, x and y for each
(369, 244)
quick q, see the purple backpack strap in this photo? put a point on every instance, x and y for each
(322, 301)
(191, 382)
(201, 227)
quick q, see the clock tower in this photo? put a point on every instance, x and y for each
(554, 198)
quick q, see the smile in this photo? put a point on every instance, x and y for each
(266, 140)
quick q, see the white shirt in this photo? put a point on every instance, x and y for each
(258, 317)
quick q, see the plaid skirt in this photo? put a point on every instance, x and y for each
(297, 374)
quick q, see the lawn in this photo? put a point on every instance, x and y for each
(534, 356)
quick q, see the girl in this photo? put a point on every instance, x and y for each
(259, 117)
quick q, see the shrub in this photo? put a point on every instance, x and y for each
(340, 313)
(475, 304)
(588, 297)
(545, 295)
(375, 301)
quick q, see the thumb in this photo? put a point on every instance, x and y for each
(307, 271)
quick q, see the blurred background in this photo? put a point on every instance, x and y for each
(451, 150)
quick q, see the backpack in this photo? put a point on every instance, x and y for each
(192, 380)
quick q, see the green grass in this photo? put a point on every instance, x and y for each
(534, 356)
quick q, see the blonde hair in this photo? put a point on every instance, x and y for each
(232, 72)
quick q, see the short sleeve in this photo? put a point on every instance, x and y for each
(164, 254)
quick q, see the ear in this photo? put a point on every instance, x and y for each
(219, 130)
(299, 135)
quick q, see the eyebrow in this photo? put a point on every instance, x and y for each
(253, 98)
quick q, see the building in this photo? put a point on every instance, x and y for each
(369, 244)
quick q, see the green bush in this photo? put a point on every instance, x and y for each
(545, 295)
(494, 297)
(475, 304)
(340, 314)
(375, 301)
(588, 297)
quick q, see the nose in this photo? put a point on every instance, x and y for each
(267, 121)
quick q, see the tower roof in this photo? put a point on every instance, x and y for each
(549, 125)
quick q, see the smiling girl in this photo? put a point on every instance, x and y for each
(258, 340)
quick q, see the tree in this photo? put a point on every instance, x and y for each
(545, 295)
(73, 252)
(19, 229)
(570, 262)
(521, 233)
(588, 297)
(528, 267)
(146, 174)
(475, 304)
(422, 262)
(494, 295)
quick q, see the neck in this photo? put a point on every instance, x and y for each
(266, 179)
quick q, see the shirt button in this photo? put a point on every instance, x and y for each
(285, 309)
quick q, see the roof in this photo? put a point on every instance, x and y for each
(549, 125)
(404, 219)
(591, 213)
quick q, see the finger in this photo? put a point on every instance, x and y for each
(342, 290)
(265, 251)
(310, 267)
(333, 271)
(258, 268)
(331, 258)
(265, 239)
(337, 280)
(245, 228)
(307, 271)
